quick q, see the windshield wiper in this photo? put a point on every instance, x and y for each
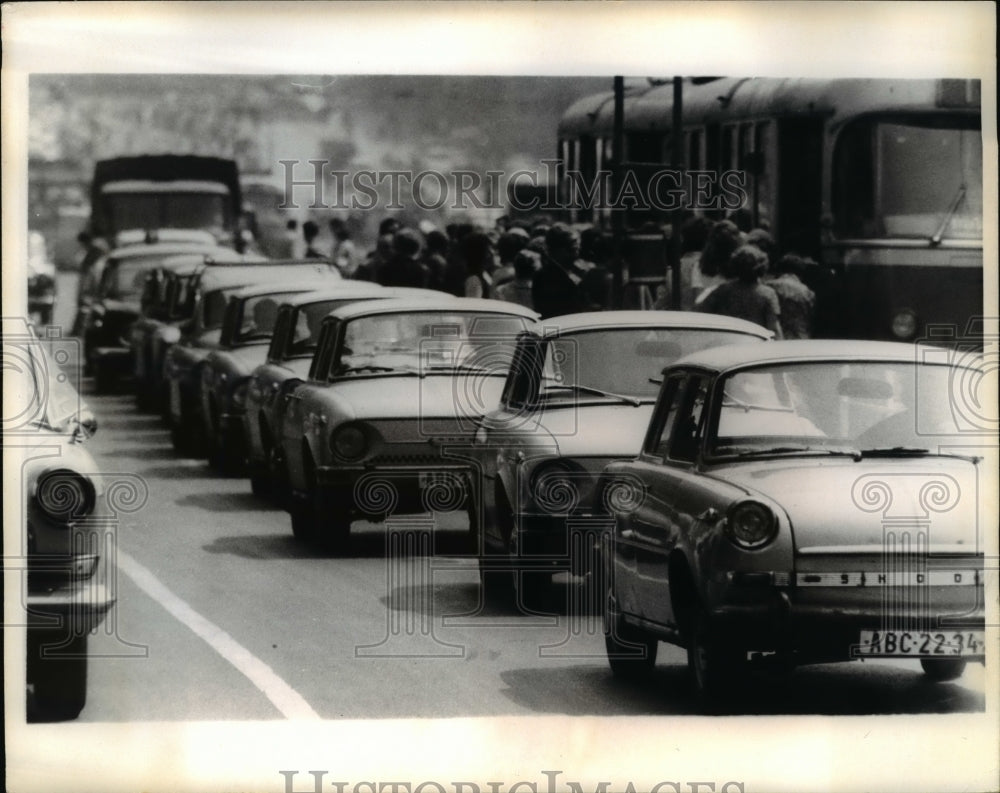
(369, 367)
(728, 401)
(800, 449)
(938, 235)
(464, 367)
(586, 389)
(895, 451)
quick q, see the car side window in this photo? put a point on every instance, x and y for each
(690, 421)
(665, 416)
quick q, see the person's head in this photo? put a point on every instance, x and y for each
(310, 230)
(388, 226)
(383, 248)
(748, 263)
(477, 251)
(790, 263)
(436, 242)
(510, 243)
(526, 263)
(694, 233)
(723, 239)
(292, 225)
(742, 218)
(562, 243)
(336, 224)
(407, 242)
(342, 234)
(764, 241)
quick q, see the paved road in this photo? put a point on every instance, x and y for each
(222, 615)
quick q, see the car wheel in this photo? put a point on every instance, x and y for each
(331, 520)
(942, 669)
(716, 668)
(277, 475)
(185, 442)
(102, 377)
(260, 482)
(60, 682)
(533, 590)
(631, 653)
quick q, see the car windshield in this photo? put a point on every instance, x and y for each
(625, 361)
(861, 408)
(912, 177)
(259, 315)
(125, 279)
(428, 341)
(304, 338)
(168, 210)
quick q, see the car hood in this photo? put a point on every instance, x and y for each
(243, 359)
(607, 430)
(837, 503)
(423, 397)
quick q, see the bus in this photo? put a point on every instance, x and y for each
(880, 181)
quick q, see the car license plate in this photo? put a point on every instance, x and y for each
(920, 644)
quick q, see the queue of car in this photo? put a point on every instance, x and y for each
(742, 498)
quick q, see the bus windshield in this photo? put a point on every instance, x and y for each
(910, 177)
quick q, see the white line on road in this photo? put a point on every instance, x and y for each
(286, 699)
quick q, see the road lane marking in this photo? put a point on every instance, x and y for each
(286, 699)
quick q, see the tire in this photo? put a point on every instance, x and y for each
(631, 653)
(60, 682)
(103, 380)
(260, 482)
(332, 521)
(716, 668)
(184, 441)
(319, 520)
(941, 670)
(533, 590)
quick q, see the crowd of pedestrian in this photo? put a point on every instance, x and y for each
(727, 267)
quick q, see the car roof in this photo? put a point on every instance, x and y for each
(160, 249)
(802, 350)
(311, 288)
(183, 263)
(445, 303)
(362, 289)
(228, 275)
(595, 320)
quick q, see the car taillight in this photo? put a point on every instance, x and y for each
(349, 442)
(65, 495)
(751, 525)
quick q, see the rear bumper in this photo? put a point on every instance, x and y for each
(80, 609)
(778, 620)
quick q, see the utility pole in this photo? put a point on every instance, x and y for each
(677, 216)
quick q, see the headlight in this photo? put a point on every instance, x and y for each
(349, 442)
(555, 486)
(65, 495)
(750, 525)
(239, 396)
(904, 324)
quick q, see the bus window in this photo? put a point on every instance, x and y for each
(909, 177)
(645, 147)
(763, 188)
(727, 149)
(694, 154)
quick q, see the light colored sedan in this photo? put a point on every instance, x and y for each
(384, 424)
(805, 502)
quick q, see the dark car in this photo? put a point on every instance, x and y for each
(165, 305)
(117, 303)
(296, 335)
(802, 502)
(202, 333)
